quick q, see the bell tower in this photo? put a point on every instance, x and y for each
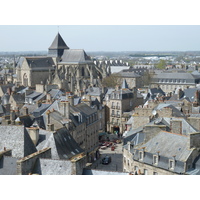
(57, 47)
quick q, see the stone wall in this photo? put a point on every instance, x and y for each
(139, 121)
(130, 165)
(195, 122)
(26, 164)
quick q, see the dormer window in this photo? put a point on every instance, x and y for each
(155, 159)
(171, 164)
(141, 155)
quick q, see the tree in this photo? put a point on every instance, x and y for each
(112, 80)
(161, 64)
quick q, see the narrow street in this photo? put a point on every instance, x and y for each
(116, 163)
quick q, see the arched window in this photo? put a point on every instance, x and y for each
(25, 80)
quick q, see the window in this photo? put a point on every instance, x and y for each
(113, 112)
(155, 160)
(113, 105)
(135, 168)
(171, 164)
(155, 173)
(145, 172)
(141, 155)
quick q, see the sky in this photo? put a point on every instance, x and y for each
(105, 26)
(102, 37)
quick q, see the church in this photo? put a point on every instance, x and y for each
(70, 69)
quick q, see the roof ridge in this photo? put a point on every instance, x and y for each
(174, 133)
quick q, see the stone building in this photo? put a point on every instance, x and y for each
(170, 81)
(120, 103)
(70, 69)
(32, 150)
(34, 70)
(164, 153)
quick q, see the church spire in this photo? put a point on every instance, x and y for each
(57, 47)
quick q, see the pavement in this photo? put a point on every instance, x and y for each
(116, 158)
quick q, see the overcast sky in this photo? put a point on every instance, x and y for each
(102, 37)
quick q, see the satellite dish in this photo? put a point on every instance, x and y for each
(154, 112)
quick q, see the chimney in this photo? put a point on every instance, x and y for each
(176, 126)
(134, 93)
(12, 117)
(39, 88)
(152, 130)
(9, 90)
(129, 145)
(48, 97)
(64, 108)
(50, 127)
(17, 111)
(194, 140)
(71, 100)
(34, 134)
(25, 111)
(180, 94)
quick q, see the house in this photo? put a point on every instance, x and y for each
(165, 153)
(120, 103)
(169, 81)
(32, 150)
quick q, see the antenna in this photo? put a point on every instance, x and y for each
(58, 29)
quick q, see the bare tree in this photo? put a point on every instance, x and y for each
(112, 80)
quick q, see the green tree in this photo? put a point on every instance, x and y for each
(161, 64)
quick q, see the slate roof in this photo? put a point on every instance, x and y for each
(27, 120)
(94, 91)
(55, 93)
(129, 74)
(186, 127)
(176, 112)
(76, 56)
(8, 165)
(45, 63)
(84, 108)
(17, 139)
(62, 144)
(39, 111)
(124, 84)
(5, 87)
(122, 94)
(102, 172)
(19, 98)
(58, 43)
(33, 95)
(31, 108)
(178, 75)
(167, 146)
(190, 93)
(176, 145)
(44, 166)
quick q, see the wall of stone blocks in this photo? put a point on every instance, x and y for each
(195, 122)
(26, 164)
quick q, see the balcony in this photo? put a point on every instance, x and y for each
(118, 115)
(113, 107)
(118, 107)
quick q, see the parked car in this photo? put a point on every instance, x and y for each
(106, 160)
